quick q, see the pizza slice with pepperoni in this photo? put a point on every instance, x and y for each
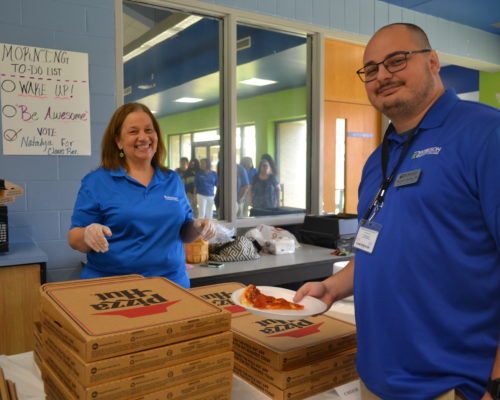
(253, 297)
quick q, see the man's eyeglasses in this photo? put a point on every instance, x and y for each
(394, 63)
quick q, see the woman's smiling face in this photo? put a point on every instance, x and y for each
(138, 139)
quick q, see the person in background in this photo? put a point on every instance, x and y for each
(184, 165)
(242, 188)
(189, 187)
(183, 169)
(218, 190)
(266, 188)
(205, 182)
(131, 215)
(247, 163)
(426, 273)
(270, 160)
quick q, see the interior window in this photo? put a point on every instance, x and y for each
(172, 65)
(271, 90)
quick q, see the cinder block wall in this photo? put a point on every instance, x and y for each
(51, 182)
(364, 17)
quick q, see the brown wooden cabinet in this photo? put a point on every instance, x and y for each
(22, 271)
(19, 307)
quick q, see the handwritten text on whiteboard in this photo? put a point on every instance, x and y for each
(44, 96)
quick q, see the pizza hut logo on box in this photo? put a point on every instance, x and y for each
(223, 299)
(219, 299)
(125, 302)
(294, 329)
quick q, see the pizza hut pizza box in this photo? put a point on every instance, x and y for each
(155, 380)
(211, 387)
(309, 387)
(284, 345)
(220, 295)
(37, 341)
(286, 379)
(79, 282)
(103, 320)
(91, 281)
(37, 360)
(74, 369)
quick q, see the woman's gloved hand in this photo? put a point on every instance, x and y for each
(206, 228)
(94, 237)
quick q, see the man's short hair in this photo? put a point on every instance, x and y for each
(417, 31)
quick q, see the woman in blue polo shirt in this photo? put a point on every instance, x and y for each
(132, 214)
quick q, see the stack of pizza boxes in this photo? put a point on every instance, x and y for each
(287, 359)
(132, 338)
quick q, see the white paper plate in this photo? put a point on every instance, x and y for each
(312, 306)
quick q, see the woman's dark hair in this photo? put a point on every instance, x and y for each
(269, 159)
(196, 164)
(110, 153)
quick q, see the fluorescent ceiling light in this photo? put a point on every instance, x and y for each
(145, 87)
(180, 26)
(258, 82)
(188, 100)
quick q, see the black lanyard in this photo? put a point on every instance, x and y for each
(378, 200)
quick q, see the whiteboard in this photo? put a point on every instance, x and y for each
(44, 98)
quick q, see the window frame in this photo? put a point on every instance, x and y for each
(230, 18)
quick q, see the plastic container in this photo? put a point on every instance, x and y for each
(197, 251)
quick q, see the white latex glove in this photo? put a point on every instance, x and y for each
(94, 237)
(206, 228)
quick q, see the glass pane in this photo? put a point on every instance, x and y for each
(214, 157)
(249, 145)
(238, 145)
(186, 146)
(340, 124)
(172, 65)
(200, 152)
(292, 163)
(271, 87)
(206, 136)
(174, 151)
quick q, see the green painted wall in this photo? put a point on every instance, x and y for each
(489, 88)
(197, 120)
(262, 111)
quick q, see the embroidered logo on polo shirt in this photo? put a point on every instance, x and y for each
(171, 198)
(426, 152)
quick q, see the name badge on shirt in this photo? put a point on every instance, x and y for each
(367, 236)
(407, 178)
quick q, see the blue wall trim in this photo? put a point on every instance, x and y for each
(463, 80)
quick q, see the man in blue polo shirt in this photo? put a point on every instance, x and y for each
(426, 273)
(205, 182)
(242, 187)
